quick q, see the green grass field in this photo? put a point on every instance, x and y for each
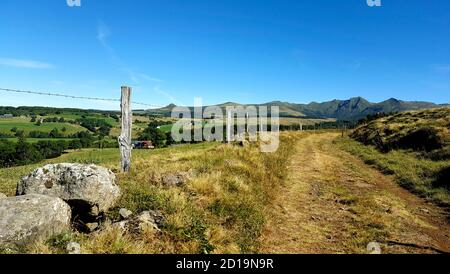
(35, 140)
(23, 123)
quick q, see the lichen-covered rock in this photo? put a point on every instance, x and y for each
(24, 219)
(150, 219)
(175, 179)
(87, 188)
(145, 220)
(73, 248)
(374, 248)
(125, 213)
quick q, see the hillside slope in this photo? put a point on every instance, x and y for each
(426, 131)
(352, 109)
(331, 202)
(413, 146)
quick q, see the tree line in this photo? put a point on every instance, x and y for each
(24, 153)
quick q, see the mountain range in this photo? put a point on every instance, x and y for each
(351, 109)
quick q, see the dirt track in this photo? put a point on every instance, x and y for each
(333, 203)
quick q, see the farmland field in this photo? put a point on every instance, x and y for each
(35, 140)
(23, 123)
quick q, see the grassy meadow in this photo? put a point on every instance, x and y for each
(24, 124)
(221, 209)
(412, 146)
(419, 175)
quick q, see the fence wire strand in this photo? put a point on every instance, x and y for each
(75, 97)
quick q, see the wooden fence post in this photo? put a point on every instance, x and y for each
(229, 123)
(125, 135)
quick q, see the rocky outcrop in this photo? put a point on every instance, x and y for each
(24, 219)
(86, 188)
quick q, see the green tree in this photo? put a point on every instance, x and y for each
(20, 134)
(169, 140)
(26, 153)
(152, 133)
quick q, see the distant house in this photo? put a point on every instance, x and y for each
(6, 116)
(143, 145)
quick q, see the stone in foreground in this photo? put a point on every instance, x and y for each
(125, 213)
(87, 188)
(73, 248)
(374, 248)
(146, 220)
(175, 179)
(24, 219)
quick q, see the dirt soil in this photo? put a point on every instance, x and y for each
(332, 202)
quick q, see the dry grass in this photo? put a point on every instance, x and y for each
(334, 203)
(221, 209)
(399, 131)
(413, 146)
(417, 174)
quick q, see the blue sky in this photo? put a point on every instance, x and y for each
(248, 51)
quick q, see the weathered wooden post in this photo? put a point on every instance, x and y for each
(229, 124)
(125, 135)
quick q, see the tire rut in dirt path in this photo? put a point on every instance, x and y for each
(333, 203)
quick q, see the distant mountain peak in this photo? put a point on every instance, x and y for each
(354, 108)
(392, 100)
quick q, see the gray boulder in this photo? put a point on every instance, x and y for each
(24, 219)
(175, 179)
(84, 187)
(125, 213)
(150, 219)
(146, 220)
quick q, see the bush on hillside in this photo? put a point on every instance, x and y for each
(443, 179)
(423, 139)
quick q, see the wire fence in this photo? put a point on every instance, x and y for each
(76, 97)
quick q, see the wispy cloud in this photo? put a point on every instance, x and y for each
(138, 77)
(103, 33)
(168, 95)
(20, 63)
(149, 78)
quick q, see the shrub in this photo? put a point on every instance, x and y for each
(443, 179)
(423, 139)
